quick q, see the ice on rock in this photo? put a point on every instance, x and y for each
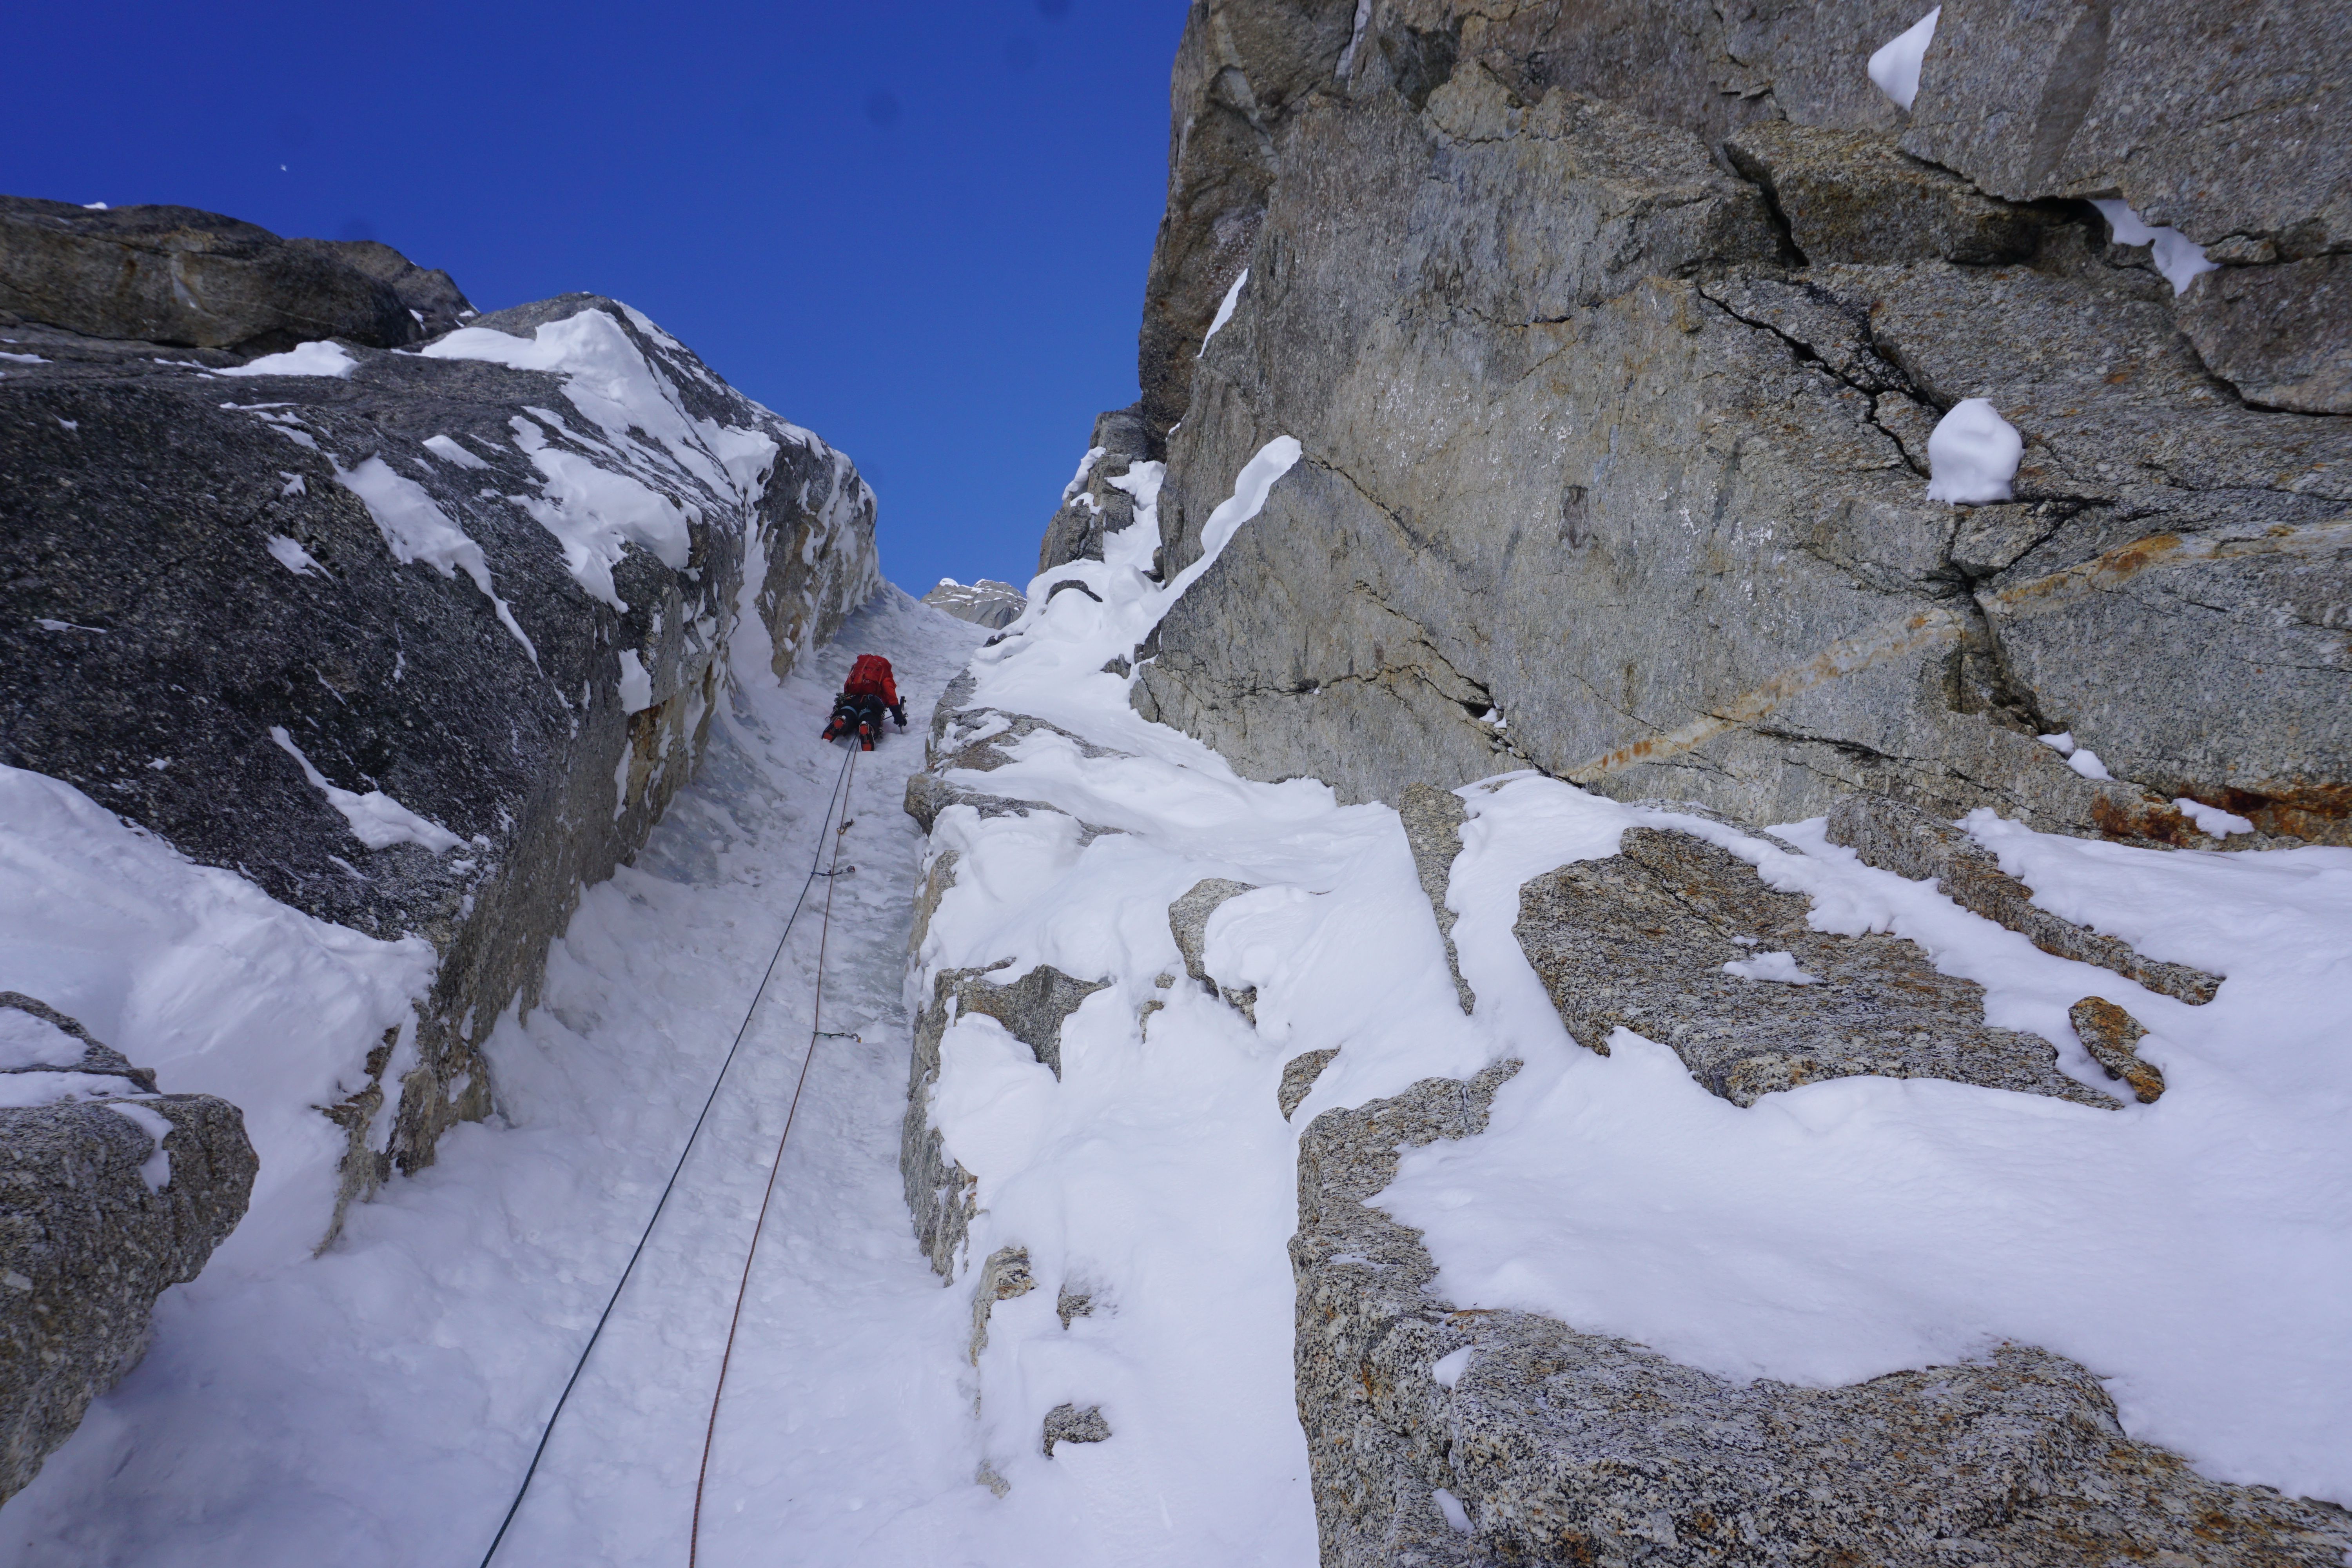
(636, 682)
(2177, 256)
(1972, 455)
(1780, 966)
(1895, 65)
(290, 554)
(377, 820)
(416, 528)
(156, 1169)
(1225, 311)
(447, 450)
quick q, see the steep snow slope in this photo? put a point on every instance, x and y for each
(377, 1404)
(2184, 1250)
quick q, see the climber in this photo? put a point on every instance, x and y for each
(869, 690)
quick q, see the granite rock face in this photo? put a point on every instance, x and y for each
(1565, 1447)
(1679, 941)
(251, 613)
(1614, 337)
(109, 1194)
(2282, 334)
(187, 279)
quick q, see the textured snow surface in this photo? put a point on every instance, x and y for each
(2192, 1252)
(375, 1404)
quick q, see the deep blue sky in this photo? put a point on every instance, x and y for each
(918, 227)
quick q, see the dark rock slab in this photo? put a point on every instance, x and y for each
(98, 1215)
(1566, 1448)
(1640, 941)
(430, 294)
(186, 576)
(1910, 843)
(178, 276)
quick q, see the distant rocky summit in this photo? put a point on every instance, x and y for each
(987, 603)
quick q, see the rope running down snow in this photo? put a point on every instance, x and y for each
(834, 805)
(816, 1032)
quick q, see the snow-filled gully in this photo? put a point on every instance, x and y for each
(376, 1405)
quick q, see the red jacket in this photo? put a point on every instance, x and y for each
(871, 676)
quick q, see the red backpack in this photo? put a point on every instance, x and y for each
(871, 676)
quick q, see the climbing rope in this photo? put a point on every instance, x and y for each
(816, 1032)
(834, 804)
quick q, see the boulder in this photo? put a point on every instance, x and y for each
(179, 277)
(110, 1193)
(1680, 941)
(420, 642)
(1554, 1446)
(430, 296)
